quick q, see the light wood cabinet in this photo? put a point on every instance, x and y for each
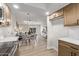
(70, 17)
(67, 49)
(6, 13)
(64, 50)
(17, 51)
(77, 12)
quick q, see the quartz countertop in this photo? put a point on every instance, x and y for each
(8, 39)
(70, 40)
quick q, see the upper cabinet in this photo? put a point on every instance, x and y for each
(71, 15)
(77, 12)
(5, 15)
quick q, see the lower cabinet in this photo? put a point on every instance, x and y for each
(67, 49)
(17, 51)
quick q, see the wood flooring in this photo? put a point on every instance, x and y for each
(39, 50)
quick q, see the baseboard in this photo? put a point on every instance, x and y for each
(52, 48)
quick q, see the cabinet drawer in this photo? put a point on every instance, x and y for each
(67, 49)
(76, 47)
(64, 50)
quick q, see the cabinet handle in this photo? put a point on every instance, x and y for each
(74, 48)
(73, 54)
(77, 21)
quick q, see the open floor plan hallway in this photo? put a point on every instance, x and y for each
(39, 50)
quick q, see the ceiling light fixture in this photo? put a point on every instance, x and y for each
(27, 22)
(47, 13)
(0, 4)
(16, 6)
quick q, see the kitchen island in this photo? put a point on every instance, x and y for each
(70, 40)
(8, 46)
(68, 47)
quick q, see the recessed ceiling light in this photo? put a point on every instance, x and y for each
(16, 6)
(47, 13)
(0, 4)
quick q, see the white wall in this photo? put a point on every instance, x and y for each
(9, 30)
(4, 31)
(73, 32)
(56, 30)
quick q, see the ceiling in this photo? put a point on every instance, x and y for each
(36, 10)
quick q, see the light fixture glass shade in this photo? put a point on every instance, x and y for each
(16, 6)
(27, 28)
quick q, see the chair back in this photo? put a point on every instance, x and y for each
(33, 37)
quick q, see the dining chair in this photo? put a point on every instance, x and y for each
(23, 40)
(33, 39)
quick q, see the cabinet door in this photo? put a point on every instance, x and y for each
(67, 49)
(70, 15)
(64, 50)
(77, 12)
(76, 52)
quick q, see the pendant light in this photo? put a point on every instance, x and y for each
(27, 22)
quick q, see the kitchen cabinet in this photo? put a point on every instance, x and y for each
(64, 50)
(10, 48)
(67, 49)
(77, 12)
(70, 17)
(5, 17)
(17, 51)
